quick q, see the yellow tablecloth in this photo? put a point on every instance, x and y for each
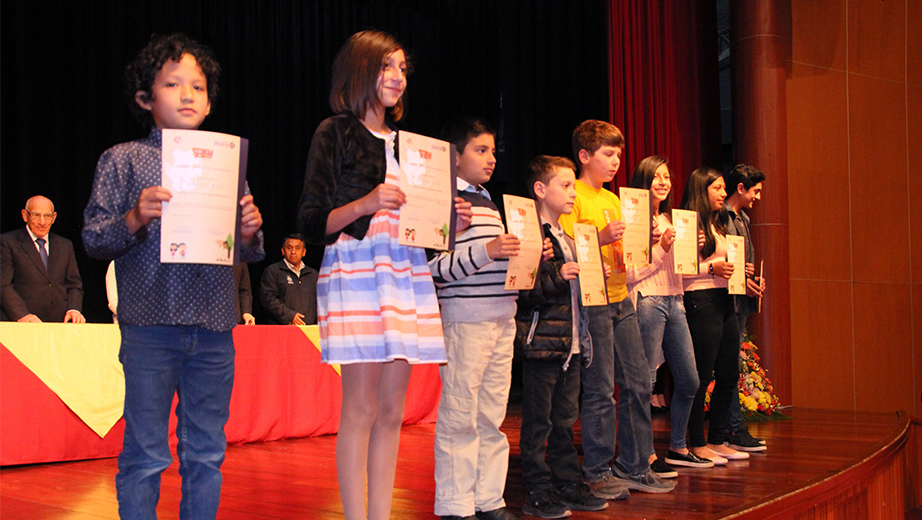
(79, 363)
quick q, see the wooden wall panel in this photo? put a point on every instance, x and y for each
(914, 42)
(823, 371)
(877, 165)
(854, 92)
(916, 310)
(824, 45)
(914, 198)
(876, 38)
(818, 186)
(883, 347)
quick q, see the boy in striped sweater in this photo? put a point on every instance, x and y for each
(471, 453)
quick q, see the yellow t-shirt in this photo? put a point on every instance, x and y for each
(599, 207)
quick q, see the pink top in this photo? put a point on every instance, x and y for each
(657, 278)
(703, 280)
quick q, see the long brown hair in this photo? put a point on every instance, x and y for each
(696, 199)
(643, 179)
(354, 83)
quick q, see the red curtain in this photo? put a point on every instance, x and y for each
(665, 94)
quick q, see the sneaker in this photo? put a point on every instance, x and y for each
(578, 496)
(608, 487)
(743, 441)
(690, 460)
(663, 470)
(496, 514)
(545, 503)
(645, 481)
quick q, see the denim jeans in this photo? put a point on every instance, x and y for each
(617, 356)
(550, 406)
(715, 335)
(663, 326)
(198, 365)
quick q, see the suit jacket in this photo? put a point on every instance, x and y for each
(26, 287)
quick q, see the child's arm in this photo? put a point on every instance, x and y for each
(106, 233)
(553, 280)
(384, 196)
(636, 273)
(470, 257)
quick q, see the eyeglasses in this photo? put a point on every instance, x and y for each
(38, 216)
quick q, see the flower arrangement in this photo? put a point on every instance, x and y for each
(757, 399)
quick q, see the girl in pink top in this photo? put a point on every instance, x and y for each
(658, 296)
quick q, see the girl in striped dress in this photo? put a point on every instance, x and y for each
(377, 308)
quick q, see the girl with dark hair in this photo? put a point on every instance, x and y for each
(657, 292)
(377, 307)
(711, 318)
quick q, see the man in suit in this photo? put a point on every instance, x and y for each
(39, 280)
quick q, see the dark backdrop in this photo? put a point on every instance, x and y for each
(534, 69)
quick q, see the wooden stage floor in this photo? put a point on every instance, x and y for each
(296, 479)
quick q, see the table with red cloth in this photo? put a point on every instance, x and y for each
(281, 390)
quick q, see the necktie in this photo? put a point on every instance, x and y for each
(42, 252)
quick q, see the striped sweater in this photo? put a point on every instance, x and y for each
(470, 285)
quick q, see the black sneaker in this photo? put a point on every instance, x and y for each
(689, 461)
(578, 496)
(743, 441)
(645, 481)
(545, 503)
(663, 470)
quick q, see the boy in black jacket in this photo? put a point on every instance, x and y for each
(552, 334)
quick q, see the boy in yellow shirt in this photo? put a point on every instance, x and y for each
(618, 354)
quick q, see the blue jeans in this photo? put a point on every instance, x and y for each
(663, 326)
(198, 365)
(715, 335)
(550, 406)
(617, 356)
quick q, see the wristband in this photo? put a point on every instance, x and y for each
(711, 269)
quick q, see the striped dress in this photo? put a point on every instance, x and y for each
(375, 298)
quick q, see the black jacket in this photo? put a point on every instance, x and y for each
(544, 320)
(344, 164)
(283, 293)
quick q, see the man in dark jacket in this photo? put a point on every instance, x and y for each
(288, 290)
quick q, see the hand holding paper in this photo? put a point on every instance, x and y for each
(569, 270)
(503, 246)
(150, 206)
(251, 219)
(723, 269)
(384, 196)
(464, 212)
(612, 232)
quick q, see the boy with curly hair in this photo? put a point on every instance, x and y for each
(176, 320)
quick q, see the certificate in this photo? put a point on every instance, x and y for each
(427, 177)
(592, 287)
(686, 241)
(206, 173)
(736, 255)
(522, 221)
(637, 215)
